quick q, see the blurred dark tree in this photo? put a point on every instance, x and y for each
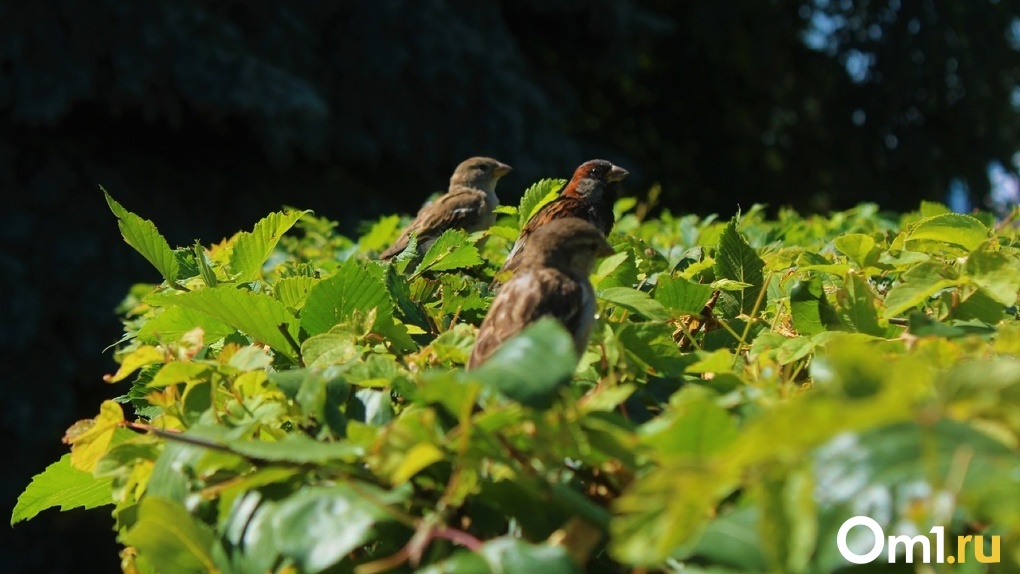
(206, 115)
(813, 103)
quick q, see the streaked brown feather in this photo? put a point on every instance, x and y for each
(468, 204)
(552, 282)
(464, 209)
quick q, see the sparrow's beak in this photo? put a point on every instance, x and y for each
(617, 173)
(502, 169)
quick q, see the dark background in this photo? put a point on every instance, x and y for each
(204, 116)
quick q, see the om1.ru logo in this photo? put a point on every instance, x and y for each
(908, 544)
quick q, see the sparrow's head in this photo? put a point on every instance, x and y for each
(479, 173)
(593, 178)
(569, 243)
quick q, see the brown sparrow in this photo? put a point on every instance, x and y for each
(589, 195)
(551, 281)
(467, 205)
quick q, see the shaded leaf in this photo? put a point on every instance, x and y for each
(168, 537)
(737, 261)
(636, 302)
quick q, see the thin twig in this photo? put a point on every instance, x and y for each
(282, 327)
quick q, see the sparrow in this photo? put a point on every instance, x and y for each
(589, 195)
(467, 205)
(551, 281)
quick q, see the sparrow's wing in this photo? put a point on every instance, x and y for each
(528, 296)
(454, 210)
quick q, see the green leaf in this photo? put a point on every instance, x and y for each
(251, 358)
(996, 272)
(695, 426)
(652, 345)
(811, 310)
(64, 486)
(417, 458)
(146, 239)
(736, 260)
(293, 291)
(335, 299)
(531, 367)
(168, 538)
(916, 286)
(323, 350)
(665, 509)
(860, 306)
(173, 322)
(513, 556)
(179, 372)
(732, 540)
(451, 250)
(256, 314)
(381, 235)
(789, 524)
(636, 302)
(615, 271)
(859, 248)
(623, 205)
(320, 394)
(539, 194)
(251, 250)
(205, 269)
(316, 528)
(682, 297)
(980, 306)
(946, 230)
(718, 361)
(298, 449)
(932, 208)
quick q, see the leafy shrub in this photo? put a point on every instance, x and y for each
(751, 384)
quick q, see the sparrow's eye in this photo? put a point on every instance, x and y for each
(593, 171)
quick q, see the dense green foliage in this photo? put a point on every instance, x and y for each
(292, 405)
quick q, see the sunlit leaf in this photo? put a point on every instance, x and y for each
(257, 314)
(90, 439)
(948, 229)
(352, 289)
(146, 239)
(61, 485)
(451, 250)
(539, 194)
(144, 355)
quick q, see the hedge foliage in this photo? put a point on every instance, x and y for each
(291, 405)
